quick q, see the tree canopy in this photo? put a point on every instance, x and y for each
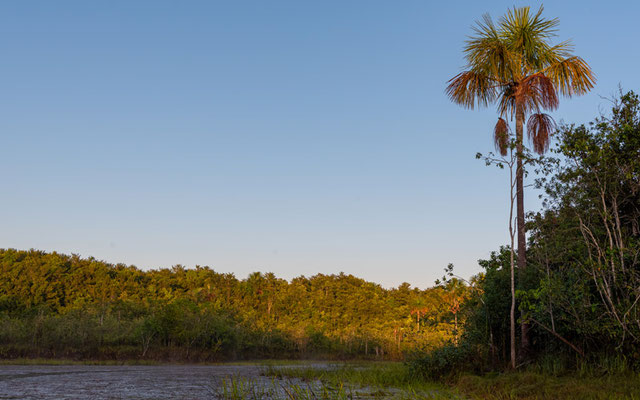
(54, 304)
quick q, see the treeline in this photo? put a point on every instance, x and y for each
(580, 292)
(55, 305)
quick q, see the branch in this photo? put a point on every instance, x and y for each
(565, 341)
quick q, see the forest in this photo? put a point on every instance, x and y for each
(55, 305)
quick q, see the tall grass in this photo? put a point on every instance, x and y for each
(597, 366)
(241, 388)
(373, 380)
(554, 380)
(535, 386)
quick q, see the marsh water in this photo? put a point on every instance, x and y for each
(121, 382)
(223, 381)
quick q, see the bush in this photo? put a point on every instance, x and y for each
(445, 361)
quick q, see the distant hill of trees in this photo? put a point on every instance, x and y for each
(55, 305)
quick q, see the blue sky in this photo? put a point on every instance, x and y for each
(284, 136)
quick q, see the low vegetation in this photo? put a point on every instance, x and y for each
(386, 378)
(240, 388)
(536, 386)
(394, 380)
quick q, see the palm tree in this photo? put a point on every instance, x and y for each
(514, 65)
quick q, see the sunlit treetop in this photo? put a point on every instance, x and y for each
(515, 64)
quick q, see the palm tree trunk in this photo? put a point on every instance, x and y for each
(522, 242)
(512, 311)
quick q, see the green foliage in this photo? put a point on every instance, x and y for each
(444, 362)
(580, 292)
(585, 243)
(487, 310)
(53, 305)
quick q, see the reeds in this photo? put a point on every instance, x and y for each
(365, 380)
(243, 388)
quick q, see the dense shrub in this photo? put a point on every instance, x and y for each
(446, 361)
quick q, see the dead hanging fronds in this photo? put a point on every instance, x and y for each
(539, 129)
(532, 93)
(536, 92)
(507, 101)
(501, 136)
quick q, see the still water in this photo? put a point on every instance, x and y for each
(120, 382)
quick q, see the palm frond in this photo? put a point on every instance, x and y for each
(554, 54)
(487, 52)
(539, 129)
(528, 35)
(501, 136)
(525, 28)
(572, 76)
(471, 88)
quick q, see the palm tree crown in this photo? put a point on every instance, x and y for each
(514, 65)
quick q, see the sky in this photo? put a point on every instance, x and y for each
(290, 137)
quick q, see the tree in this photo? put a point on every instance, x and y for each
(510, 163)
(587, 241)
(515, 65)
